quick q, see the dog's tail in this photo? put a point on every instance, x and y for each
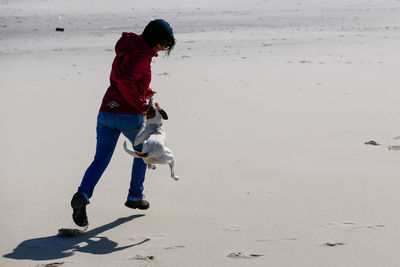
(133, 152)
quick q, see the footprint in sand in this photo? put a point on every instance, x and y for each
(233, 229)
(163, 74)
(153, 237)
(174, 247)
(289, 239)
(334, 244)
(145, 258)
(53, 264)
(241, 255)
(352, 226)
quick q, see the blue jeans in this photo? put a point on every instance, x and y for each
(109, 127)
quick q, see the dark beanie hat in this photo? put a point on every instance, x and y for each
(158, 27)
(163, 25)
(159, 31)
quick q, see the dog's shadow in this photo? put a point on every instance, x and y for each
(56, 247)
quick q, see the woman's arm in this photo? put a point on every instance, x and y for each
(133, 80)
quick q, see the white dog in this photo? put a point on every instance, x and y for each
(152, 135)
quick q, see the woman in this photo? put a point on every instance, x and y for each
(122, 111)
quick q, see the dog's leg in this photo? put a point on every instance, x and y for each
(171, 164)
(151, 166)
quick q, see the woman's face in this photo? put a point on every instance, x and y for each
(159, 48)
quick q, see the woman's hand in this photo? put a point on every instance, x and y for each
(150, 95)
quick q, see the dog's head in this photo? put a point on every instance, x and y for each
(156, 114)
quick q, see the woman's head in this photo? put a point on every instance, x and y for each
(159, 33)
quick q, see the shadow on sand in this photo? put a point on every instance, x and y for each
(55, 247)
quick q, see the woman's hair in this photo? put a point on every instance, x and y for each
(159, 32)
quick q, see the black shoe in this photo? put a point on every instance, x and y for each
(78, 204)
(140, 204)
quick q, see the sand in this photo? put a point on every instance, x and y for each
(270, 105)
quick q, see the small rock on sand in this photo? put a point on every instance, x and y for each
(243, 255)
(333, 244)
(371, 142)
(140, 257)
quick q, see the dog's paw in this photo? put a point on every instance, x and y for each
(151, 166)
(176, 178)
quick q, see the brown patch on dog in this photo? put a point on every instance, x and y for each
(158, 106)
(151, 113)
(140, 154)
(156, 133)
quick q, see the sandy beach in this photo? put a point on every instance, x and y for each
(270, 105)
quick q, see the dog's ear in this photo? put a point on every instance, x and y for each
(163, 114)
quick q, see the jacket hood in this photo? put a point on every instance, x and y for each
(131, 42)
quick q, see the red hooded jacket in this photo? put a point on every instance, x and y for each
(130, 76)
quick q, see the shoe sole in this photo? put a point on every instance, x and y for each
(79, 208)
(136, 207)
